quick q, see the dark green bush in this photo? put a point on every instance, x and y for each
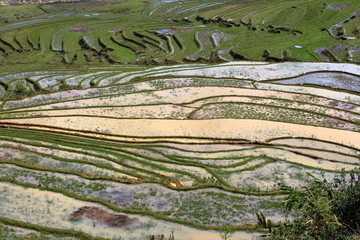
(328, 210)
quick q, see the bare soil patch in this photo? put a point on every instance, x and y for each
(336, 7)
(339, 48)
(341, 105)
(102, 216)
(79, 29)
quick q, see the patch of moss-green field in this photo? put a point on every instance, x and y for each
(178, 32)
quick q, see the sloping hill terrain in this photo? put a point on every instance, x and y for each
(133, 119)
(158, 32)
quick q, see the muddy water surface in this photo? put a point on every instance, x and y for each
(54, 210)
(255, 130)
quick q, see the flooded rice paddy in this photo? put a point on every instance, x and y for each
(186, 150)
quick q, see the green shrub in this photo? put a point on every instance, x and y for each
(328, 210)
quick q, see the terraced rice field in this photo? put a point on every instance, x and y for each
(185, 148)
(163, 32)
(127, 119)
